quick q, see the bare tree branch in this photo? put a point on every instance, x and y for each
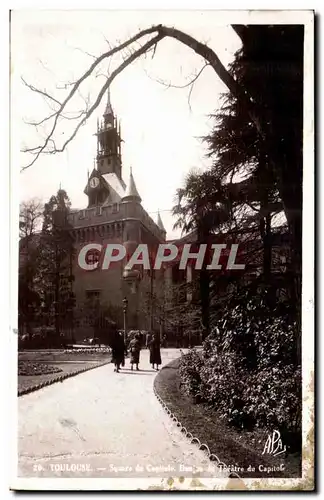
(189, 97)
(174, 86)
(107, 41)
(30, 214)
(162, 31)
(47, 118)
(209, 55)
(135, 55)
(42, 92)
(84, 52)
(41, 149)
(36, 124)
(65, 86)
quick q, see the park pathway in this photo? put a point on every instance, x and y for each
(106, 424)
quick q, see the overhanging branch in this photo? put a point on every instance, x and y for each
(160, 32)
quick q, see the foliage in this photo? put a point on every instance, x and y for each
(45, 267)
(30, 217)
(249, 181)
(201, 204)
(176, 309)
(57, 252)
(270, 67)
(248, 368)
(189, 369)
(42, 338)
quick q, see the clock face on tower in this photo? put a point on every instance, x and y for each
(94, 182)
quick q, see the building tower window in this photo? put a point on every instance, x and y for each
(93, 294)
(92, 257)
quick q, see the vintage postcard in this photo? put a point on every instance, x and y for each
(162, 205)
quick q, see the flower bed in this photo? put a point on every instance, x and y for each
(28, 368)
(88, 350)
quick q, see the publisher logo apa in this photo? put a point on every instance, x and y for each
(273, 445)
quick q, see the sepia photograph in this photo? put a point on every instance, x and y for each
(162, 205)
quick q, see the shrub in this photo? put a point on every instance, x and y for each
(190, 367)
(248, 368)
(42, 338)
(273, 396)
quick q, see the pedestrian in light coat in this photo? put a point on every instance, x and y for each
(135, 349)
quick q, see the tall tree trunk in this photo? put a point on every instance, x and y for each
(205, 299)
(292, 195)
(57, 291)
(204, 284)
(265, 222)
(267, 249)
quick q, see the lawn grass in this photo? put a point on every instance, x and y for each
(42, 368)
(232, 447)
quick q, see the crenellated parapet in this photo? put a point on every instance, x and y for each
(110, 215)
(97, 215)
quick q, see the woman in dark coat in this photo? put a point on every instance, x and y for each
(118, 351)
(135, 349)
(155, 353)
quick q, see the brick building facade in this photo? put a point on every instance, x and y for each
(114, 215)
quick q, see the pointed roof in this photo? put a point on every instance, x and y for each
(108, 110)
(159, 222)
(131, 189)
(116, 187)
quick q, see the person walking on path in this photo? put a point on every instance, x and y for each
(135, 349)
(118, 351)
(147, 340)
(155, 352)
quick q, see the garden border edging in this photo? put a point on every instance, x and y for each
(193, 439)
(60, 378)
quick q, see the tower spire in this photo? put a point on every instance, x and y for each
(108, 110)
(131, 192)
(160, 223)
(108, 143)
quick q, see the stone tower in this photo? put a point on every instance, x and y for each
(114, 214)
(109, 143)
(132, 238)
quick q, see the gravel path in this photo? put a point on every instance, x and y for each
(101, 424)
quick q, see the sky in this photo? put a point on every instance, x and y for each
(161, 125)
